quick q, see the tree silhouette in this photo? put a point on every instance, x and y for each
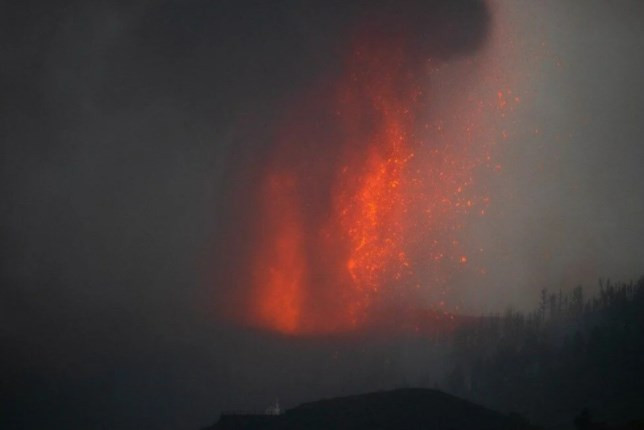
(567, 354)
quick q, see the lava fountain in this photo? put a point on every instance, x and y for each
(321, 272)
(349, 220)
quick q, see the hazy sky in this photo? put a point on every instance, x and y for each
(569, 203)
(130, 129)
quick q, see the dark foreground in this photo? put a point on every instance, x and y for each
(399, 409)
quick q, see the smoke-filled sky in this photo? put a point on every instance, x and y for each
(183, 179)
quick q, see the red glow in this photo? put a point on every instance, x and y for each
(371, 194)
(280, 273)
(376, 219)
(358, 245)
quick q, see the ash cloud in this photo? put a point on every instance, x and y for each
(567, 207)
(131, 133)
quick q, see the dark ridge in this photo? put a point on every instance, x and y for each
(412, 408)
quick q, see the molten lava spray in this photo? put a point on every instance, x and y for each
(350, 218)
(321, 272)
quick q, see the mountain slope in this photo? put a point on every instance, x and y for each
(399, 409)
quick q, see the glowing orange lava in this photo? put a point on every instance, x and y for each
(280, 274)
(323, 275)
(371, 200)
(343, 226)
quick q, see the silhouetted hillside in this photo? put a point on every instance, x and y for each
(572, 352)
(398, 409)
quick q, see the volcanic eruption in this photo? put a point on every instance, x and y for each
(357, 205)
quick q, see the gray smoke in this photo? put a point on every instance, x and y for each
(130, 131)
